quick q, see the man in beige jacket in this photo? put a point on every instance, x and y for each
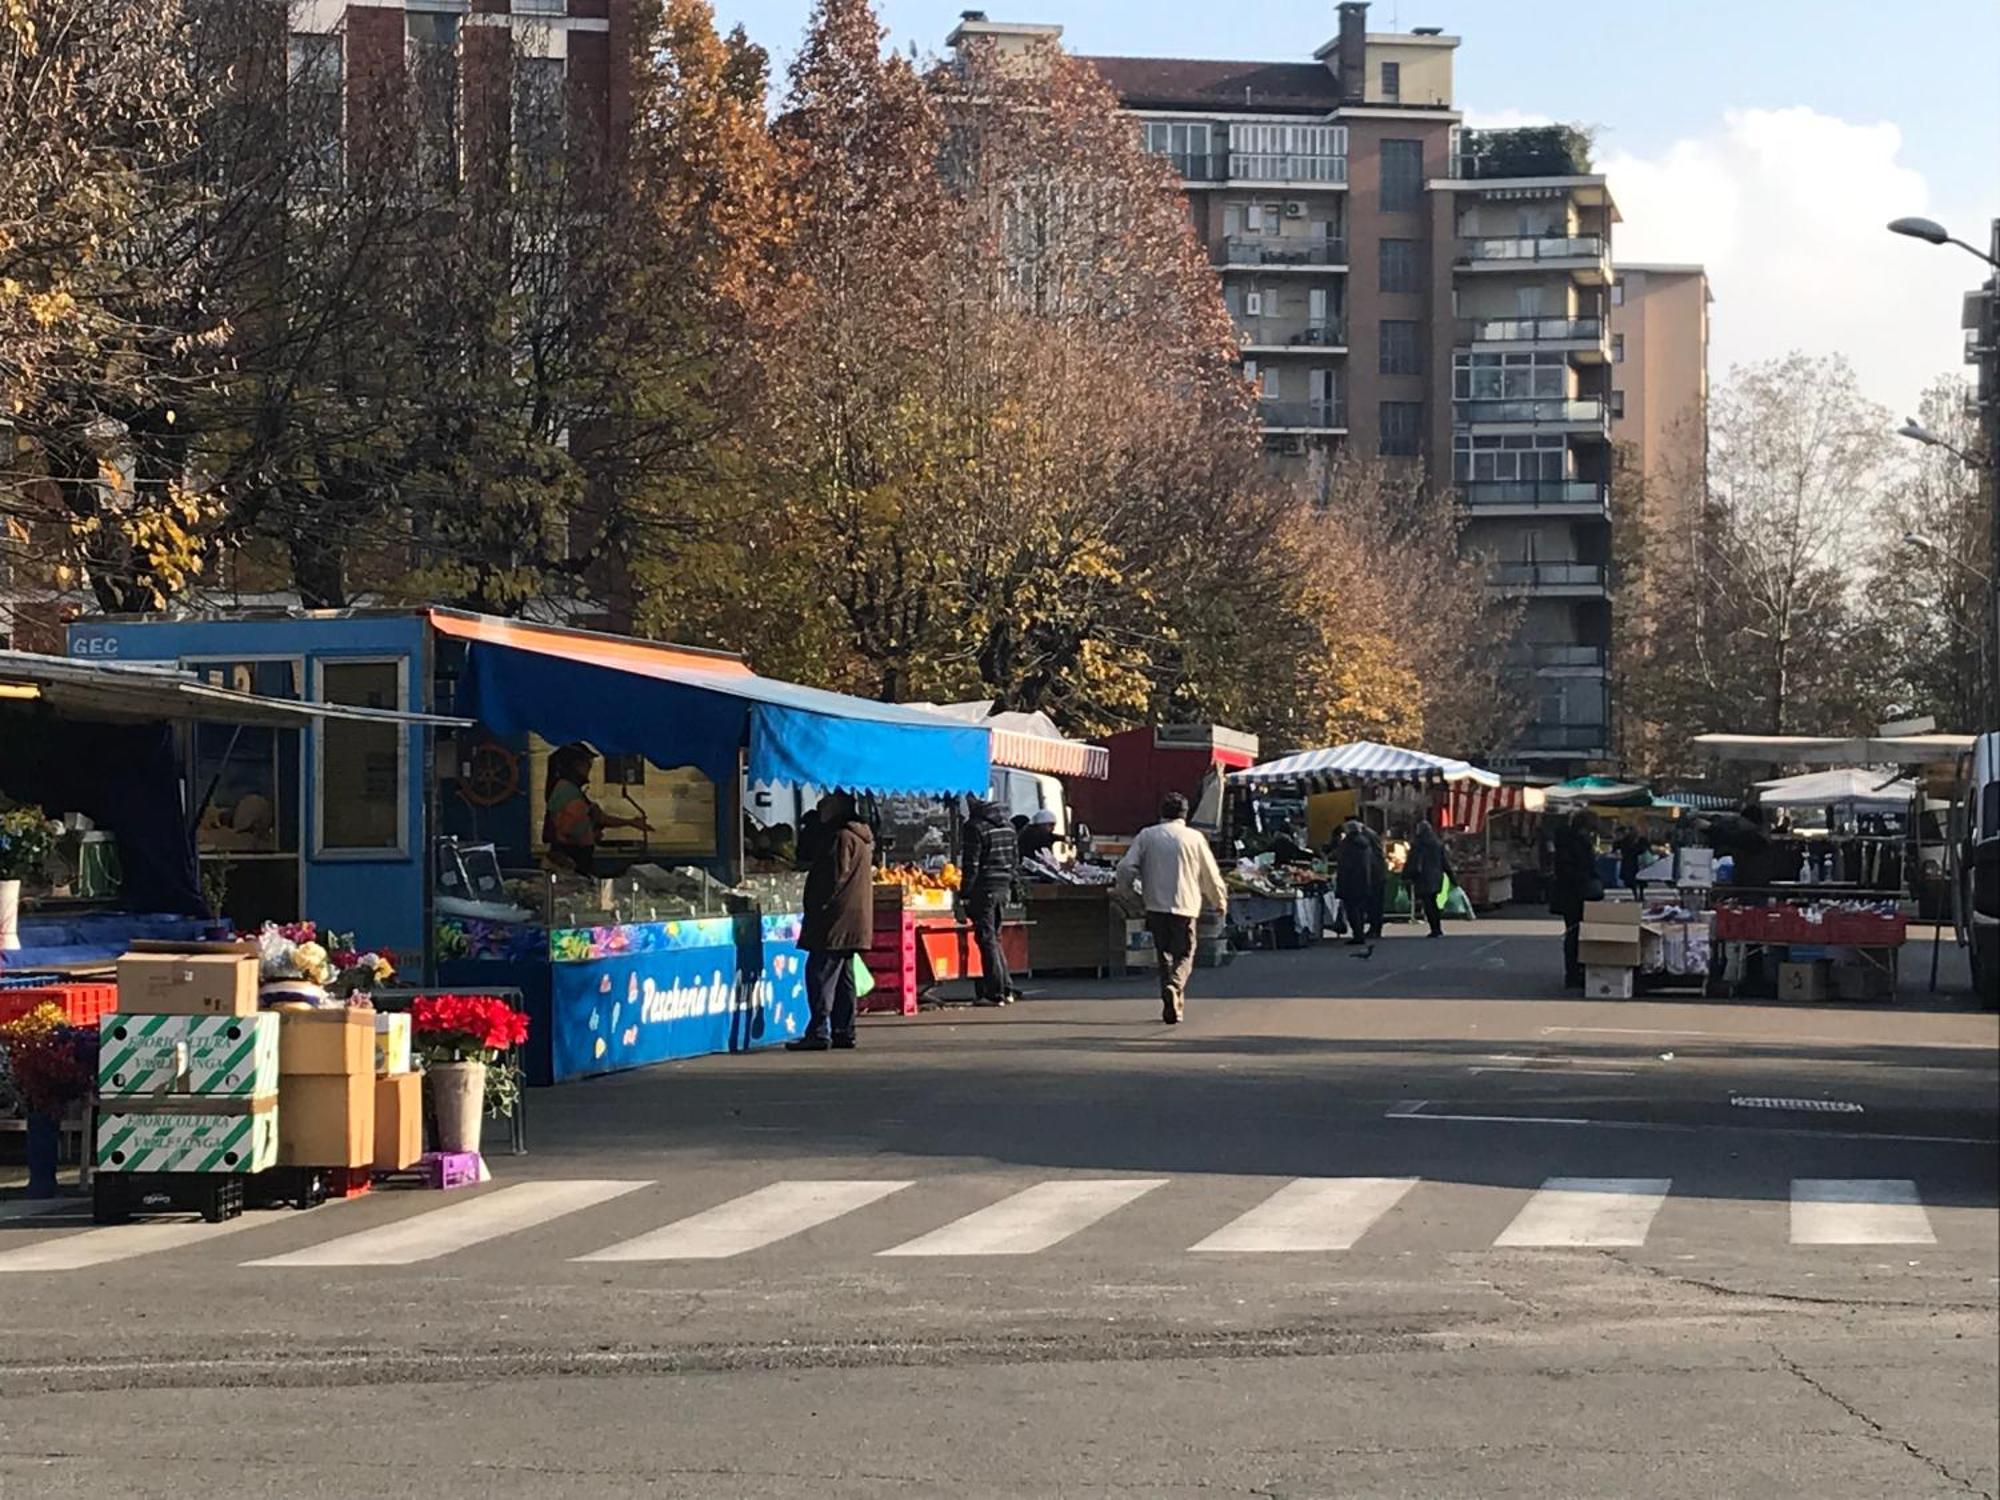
(1175, 873)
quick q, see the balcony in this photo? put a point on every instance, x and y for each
(1197, 166)
(1585, 414)
(1287, 166)
(1277, 335)
(1561, 659)
(1535, 497)
(1586, 254)
(1567, 580)
(1303, 416)
(1587, 741)
(1582, 335)
(1299, 253)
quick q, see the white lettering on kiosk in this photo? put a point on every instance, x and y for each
(714, 996)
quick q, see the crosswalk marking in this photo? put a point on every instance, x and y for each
(426, 1236)
(1858, 1211)
(1312, 1213)
(115, 1242)
(1034, 1219)
(1595, 1212)
(756, 1219)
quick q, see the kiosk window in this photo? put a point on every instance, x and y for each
(362, 767)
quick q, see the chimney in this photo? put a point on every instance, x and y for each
(1352, 51)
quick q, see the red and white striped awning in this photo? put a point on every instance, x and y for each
(1030, 741)
(1467, 805)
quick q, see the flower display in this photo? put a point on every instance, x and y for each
(470, 1028)
(49, 1063)
(25, 841)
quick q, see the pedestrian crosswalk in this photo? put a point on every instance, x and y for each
(606, 1223)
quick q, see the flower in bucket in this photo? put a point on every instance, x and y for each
(50, 1064)
(472, 1028)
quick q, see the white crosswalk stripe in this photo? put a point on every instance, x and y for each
(1858, 1211)
(1311, 1213)
(116, 1242)
(459, 1226)
(1034, 1219)
(1593, 1212)
(747, 1223)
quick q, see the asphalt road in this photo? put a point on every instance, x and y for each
(1408, 1225)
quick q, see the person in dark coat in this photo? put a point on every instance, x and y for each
(1572, 882)
(1633, 848)
(992, 870)
(839, 923)
(1426, 870)
(1742, 836)
(1354, 881)
(1378, 880)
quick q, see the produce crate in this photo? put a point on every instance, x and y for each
(83, 1001)
(1866, 929)
(118, 1196)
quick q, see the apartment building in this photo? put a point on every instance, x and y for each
(1409, 290)
(1659, 382)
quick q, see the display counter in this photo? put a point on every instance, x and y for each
(1077, 929)
(921, 942)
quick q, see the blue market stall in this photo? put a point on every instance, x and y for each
(422, 841)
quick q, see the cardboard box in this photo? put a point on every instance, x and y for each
(1863, 982)
(326, 1119)
(1623, 913)
(392, 1042)
(1609, 932)
(1601, 982)
(1624, 955)
(332, 1041)
(228, 1056)
(399, 1121)
(1810, 981)
(190, 1139)
(188, 984)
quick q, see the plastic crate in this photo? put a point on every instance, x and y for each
(82, 1003)
(29, 979)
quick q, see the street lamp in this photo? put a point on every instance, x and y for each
(1934, 233)
(1916, 432)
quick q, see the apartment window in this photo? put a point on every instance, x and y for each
(1288, 153)
(1399, 348)
(1617, 403)
(316, 71)
(539, 115)
(1402, 176)
(1392, 81)
(431, 54)
(1401, 424)
(1618, 348)
(1516, 458)
(1400, 272)
(1184, 144)
(1509, 377)
(1618, 291)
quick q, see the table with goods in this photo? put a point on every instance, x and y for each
(923, 940)
(1277, 906)
(1080, 925)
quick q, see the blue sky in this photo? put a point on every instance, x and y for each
(1770, 139)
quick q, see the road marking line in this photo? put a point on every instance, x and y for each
(114, 1242)
(1033, 1219)
(1858, 1211)
(750, 1222)
(1400, 1112)
(441, 1231)
(1790, 1041)
(1564, 1072)
(1587, 1211)
(1311, 1213)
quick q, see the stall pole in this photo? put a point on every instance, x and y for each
(427, 834)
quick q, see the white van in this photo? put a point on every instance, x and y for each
(1977, 882)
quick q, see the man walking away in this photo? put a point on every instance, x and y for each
(1353, 881)
(1572, 882)
(1175, 872)
(992, 868)
(839, 923)
(1427, 868)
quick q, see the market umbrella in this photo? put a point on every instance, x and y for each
(1362, 763)
(1601, 791)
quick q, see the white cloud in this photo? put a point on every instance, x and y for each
(1787, 208)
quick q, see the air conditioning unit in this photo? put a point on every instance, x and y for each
(1295, 210)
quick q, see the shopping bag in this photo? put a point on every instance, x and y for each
(864, 979)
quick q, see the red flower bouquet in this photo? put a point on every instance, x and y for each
(471, 1028)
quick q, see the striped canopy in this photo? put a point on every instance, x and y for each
(1363, 763)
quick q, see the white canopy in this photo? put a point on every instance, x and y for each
(1362, 763)
(1875, 791)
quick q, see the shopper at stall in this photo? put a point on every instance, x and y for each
(1354, 881)
(839, 924)
(1633, 850)
(1040, 836)
(992, 871)
(1426, 870)
(1173, 870)
(1573, 881)
(571, 822)
(1378, 880)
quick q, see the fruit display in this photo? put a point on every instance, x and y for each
(916, 878)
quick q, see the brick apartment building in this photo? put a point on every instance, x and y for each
(1410, 290)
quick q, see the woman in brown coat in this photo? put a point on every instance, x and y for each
(839, 923)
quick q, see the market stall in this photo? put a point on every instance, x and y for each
(672, 946)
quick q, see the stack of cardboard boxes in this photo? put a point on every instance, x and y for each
(326, 1088)
(1608, 948)
(187, 1072)
(399, 1096)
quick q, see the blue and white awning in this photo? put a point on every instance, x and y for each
(1362, 763)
